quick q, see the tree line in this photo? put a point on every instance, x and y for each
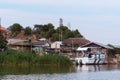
(47, 31)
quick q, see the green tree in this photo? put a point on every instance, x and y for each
(46, 30)
(61, 33)
(77, 33)
(68, 34)
(38, 28)
(15, 29)
(50, 33)
(65, 32)
(117, 50)
(55, 37)
(28, 31)
(3, 41)
(50, 26)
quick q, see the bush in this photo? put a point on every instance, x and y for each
(54, 59)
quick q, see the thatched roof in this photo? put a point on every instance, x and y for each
(75, 42)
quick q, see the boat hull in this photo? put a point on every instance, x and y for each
(89, 61)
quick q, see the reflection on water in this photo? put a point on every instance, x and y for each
(50, 70)
(89, 68)
(15, 70)
(95, 68)
(85, 72)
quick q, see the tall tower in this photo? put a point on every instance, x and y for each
(61, 22)
(60, 29)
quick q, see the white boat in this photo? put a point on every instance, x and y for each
(91, 55)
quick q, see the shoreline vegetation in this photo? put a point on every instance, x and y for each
(24, 58)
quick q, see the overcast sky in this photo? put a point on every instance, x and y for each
(97, 20)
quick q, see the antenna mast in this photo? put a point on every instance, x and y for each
(61, 22)
(60, 29)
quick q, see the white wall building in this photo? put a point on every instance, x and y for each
(56, 45)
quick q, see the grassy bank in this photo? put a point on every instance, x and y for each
(18, 58)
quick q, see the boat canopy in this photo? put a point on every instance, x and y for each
(82, 49)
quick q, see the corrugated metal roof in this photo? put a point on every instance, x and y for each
(13, 41)
(99, 44)
(41, 43)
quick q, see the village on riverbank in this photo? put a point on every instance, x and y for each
(44, 39)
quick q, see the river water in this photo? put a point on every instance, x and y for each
(85, 72)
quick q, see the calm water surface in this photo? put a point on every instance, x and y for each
(101, 72)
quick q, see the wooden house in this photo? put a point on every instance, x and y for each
(19, 44)
(99, 45)
(75, 42)
(40, 46)
(94, 47)
(70, 45)
(102, 47)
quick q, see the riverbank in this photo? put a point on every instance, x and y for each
(114, 59)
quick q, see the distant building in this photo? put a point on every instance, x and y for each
(95, 44)
(56, 46)
(41, 43)
(104, 48)
(75, 42)
(70, 45)
(2, 28)
(41, 46)
(19, 44)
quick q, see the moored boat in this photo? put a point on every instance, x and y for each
(91, 55)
